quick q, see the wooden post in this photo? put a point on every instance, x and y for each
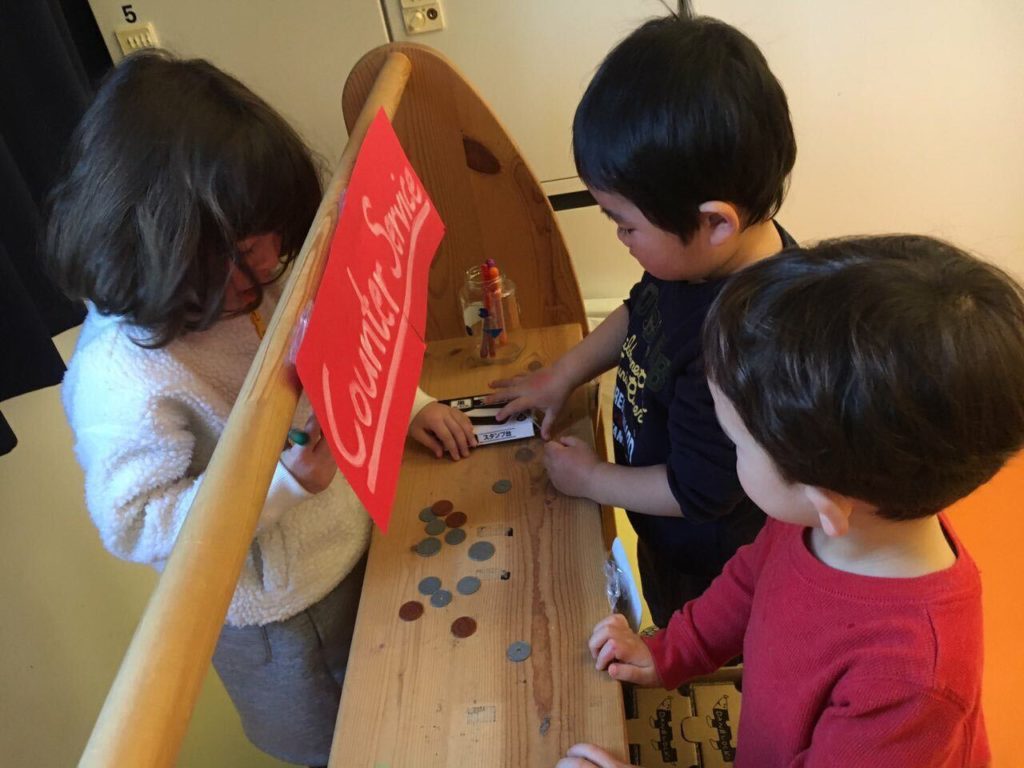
(150, 703)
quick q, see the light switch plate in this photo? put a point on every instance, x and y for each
(420, 17)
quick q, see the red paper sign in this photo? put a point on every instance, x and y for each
(361, 357)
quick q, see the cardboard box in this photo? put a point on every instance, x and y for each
(693, 727)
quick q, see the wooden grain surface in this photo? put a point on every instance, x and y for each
(487, 196)
(417, 697)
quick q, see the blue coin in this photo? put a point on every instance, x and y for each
(429, 585)
(482, 550)
(427, 514)
(455, 536)
(435, 526)
(468, 585)
(441, 598)
(519, 651)
(524, 455)
(428, 547)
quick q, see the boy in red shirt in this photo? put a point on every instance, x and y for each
(867, 385)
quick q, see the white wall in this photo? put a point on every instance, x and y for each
(296, 55)
(909, 116)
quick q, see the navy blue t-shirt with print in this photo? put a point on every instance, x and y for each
(663, 414)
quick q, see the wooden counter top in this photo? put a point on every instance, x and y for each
(415, 696)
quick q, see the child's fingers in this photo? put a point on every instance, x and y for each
(442, 433)
(603, 631)
(512, 407)
(593, 755)
(629, 673)
(549, 421)
(605, 655)
(312, 428)
(318, 446)
(504, 384)
(574, 762)
(426, 439)
(464, 424)
(552, 448)
(454, 437)
(458, 436)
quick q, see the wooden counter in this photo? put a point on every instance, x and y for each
(415, 696)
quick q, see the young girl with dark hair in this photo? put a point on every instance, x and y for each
(185, 199)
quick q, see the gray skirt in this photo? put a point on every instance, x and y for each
(285, 678)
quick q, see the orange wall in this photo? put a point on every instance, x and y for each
(990, 522)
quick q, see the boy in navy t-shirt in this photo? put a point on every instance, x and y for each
(684, 139)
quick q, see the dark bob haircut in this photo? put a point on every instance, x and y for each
(683, 111)
(889, 369)
(171, 166)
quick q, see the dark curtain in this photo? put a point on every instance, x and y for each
(51, 56)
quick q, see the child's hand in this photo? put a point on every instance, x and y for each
(543, 389)
(311, 464)
(570, 463)
(620, 650)
(441, 428)
(588, 756)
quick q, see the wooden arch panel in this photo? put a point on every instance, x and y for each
(490, 201)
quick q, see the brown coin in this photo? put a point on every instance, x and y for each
(442, 507)
(463, 627)
(456, 519)
(411, 611)
(535, 365)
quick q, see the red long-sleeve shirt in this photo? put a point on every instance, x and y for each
(839, 669)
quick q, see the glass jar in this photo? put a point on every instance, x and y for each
(490, 312)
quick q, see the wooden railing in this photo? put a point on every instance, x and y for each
(147, 710)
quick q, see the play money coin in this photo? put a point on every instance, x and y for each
(455, 520)
(435, 526)
(463, 627)
(427, 514)
(502, 486)
(524, 455)
(442, 507)
(441, 598)
(455, 536)
(428, 547)
(482, 550)
(519, 651)
(429, 585)
(468, 585)
(411, 611)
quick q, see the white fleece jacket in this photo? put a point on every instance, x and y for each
(146, 422)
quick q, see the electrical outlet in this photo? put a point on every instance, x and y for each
(422, 16)
(136, 37)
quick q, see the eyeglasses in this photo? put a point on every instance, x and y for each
(241, 262)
